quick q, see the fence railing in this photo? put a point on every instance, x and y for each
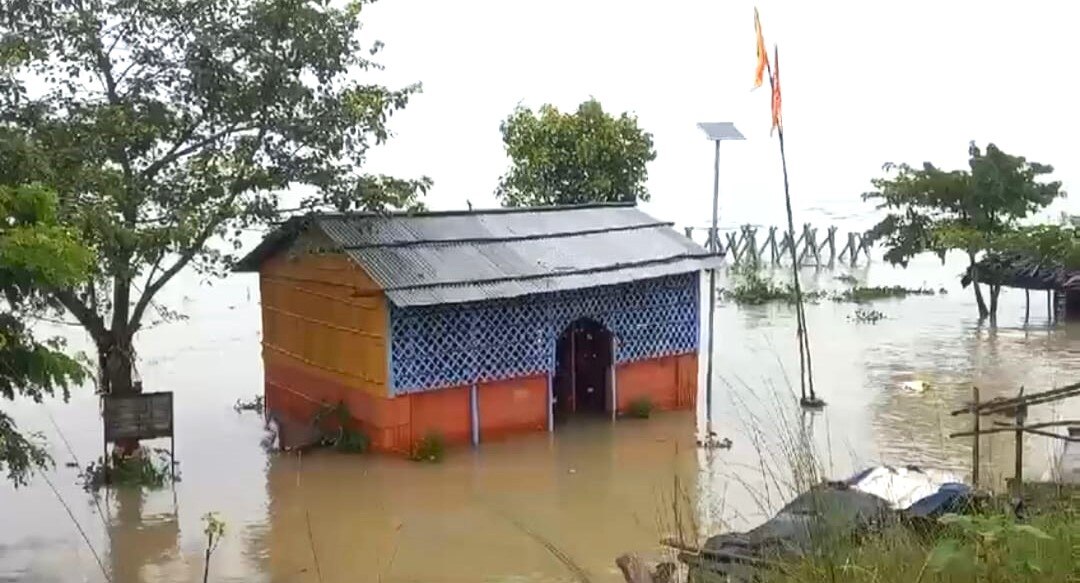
(1017, 408)
(741, 246)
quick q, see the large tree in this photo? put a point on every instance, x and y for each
(36, 254)
(573, 158)
(935, 210)
(167, 126)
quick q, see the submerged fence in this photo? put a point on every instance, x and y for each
(1017, 408)
(741, 246)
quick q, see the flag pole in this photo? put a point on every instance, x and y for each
(806, 371)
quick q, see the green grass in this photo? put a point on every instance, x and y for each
(981, 548)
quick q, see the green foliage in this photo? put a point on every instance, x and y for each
(587, 156)
(214, 529)
(752, 287)
(151, 469)
(935, 210)
(1047, 245)
(430, 448)
(978, 548)
(864, 316)
(334, 425)
(641, 407)
(866, 294)
(36, 254)
(168, 127)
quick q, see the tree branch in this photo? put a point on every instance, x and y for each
(177, 152)
(88, 318)
(197, 243)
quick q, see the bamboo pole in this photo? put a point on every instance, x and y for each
(995, 405)
(1027, 305)
(975, 441)
(806, 371)
(1018, 479)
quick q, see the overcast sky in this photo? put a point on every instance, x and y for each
(863, 83)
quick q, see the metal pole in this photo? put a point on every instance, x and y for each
(712, 297)
(474, 406)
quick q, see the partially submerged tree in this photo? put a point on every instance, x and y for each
(936, 210)
(36, 254)
(573, 158)
(167, 126)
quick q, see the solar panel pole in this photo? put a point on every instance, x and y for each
(717, 132)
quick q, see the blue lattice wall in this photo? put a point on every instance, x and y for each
(451, 345)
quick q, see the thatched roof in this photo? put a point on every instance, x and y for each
(1023, 271)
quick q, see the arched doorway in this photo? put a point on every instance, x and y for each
(583, 359)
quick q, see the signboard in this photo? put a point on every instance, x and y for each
(139, 416)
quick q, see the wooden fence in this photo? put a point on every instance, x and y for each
(741, 246)
(1017, 408)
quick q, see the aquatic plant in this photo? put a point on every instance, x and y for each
(866, 294)
(864, 316)
(214, 529)
(847, 278)
(641, 407)
(752, 287)
(256, 404)
(146, 468)
(430, 448)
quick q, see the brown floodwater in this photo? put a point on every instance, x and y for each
(537, 507)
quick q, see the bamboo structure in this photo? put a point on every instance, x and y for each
(1017, 408)
(742, 247)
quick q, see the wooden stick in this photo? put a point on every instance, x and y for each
(1005, 428)
(1021, 414)
(975, 442)
(996, 404)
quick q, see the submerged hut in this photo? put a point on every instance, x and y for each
(477, 324)
(1020, 270)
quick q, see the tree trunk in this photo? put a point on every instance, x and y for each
(994, 291)
(116, 357)
(983, 312)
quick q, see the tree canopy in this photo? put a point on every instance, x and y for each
(36, 255)
(587, 156)
(935, 210)
(167, 127)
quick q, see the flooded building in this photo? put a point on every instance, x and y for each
(1022, 271)
(477, 324)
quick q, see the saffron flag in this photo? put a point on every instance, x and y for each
(762, 52)
(777, 117)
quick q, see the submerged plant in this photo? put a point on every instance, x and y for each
(864, 316)
(641, 407)
(214, 529)
(430, 448)
(147, 468)
(256, 404)
(333, 423)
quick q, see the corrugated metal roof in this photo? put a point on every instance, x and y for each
(437, 258)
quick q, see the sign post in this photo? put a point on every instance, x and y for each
(140, 416)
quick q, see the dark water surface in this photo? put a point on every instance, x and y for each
(591, 490)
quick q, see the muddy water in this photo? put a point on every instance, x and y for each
(537, 507)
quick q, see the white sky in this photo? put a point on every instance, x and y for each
(863, 83)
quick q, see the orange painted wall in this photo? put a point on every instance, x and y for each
(513, 406)
(506, 407)
(670, 382)
(322, 312)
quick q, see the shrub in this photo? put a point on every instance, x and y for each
(431, 448)
(145, 469)
(641, 408)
